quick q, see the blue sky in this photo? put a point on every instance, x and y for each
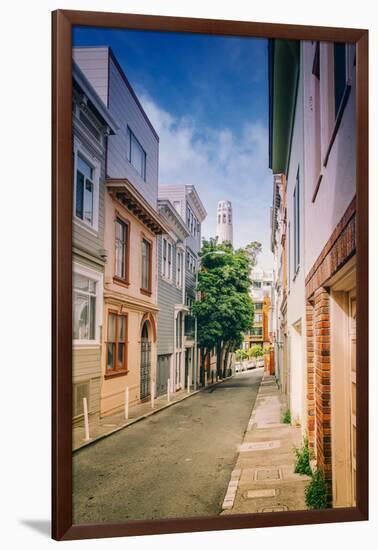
(207, 97)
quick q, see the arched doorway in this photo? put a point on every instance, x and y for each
(145, 362)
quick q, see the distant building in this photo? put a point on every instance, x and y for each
(224, 222)
(261, 291)
(187, 203)
(171, 297)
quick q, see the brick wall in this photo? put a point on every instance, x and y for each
(339, 248)
(310, 374)
(322, 390)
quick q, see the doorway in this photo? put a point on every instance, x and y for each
(145, 363)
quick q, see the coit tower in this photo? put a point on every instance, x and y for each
(224, 222)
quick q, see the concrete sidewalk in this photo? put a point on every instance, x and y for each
(113, 423)
(263, 478)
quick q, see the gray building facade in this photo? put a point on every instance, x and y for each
(187, 203)
(171, 300)
(92, 123)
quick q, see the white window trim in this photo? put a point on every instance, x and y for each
(96, 276)
(168, 278)
(96, 165)
(179, 279)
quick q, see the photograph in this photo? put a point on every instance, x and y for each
(213, 275)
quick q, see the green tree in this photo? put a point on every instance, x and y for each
(255, 351)
(253, 249)
(225, 309)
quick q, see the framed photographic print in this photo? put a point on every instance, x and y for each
(210, 274)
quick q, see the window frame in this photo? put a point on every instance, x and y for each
(130, 137)
(167, 253)
(179, 267)
(111, 373)
(146, 291)
(96, 276)
(96, 167)
(117, 278)
(297, 225)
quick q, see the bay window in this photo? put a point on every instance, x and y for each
(84, 308)
(84, 191)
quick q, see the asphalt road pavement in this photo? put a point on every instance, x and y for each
(176, 463)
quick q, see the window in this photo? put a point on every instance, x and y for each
(136, 155)
(178, 331)
(224, 218)
(189, 300)
(258, 318)
(340, 73)
(84, 191)
(219, 218)
(191, 222)
(190, 262)
(256, 331)
(256, 284)
(315, 107)
(170, 261)
(166, 264)
(296, 236)
(84, 308)
(179, 262)
(116, 343)
(258, 306)
(121, 249)
(146, 266)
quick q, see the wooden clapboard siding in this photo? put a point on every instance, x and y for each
(85, 238)
(86, 368)
(108, 79)
(168, 296)
(127, 112)
(94, 64)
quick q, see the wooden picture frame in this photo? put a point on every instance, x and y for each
(62, 196)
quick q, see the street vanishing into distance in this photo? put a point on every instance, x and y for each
(176, 463)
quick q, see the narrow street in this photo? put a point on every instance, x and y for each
(175, 464)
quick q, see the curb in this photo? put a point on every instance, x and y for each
(145, 415)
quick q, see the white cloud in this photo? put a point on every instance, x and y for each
(221, 165)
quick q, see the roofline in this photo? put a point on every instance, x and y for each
(191, 189)
(124, 186)
(167, 203)
(131, 90)
(90, 92)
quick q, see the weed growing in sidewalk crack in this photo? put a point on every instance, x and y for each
(302, 465)
(286, 417)
(316, 492)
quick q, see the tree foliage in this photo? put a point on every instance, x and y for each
(255, 351)
(225, 309)
(253, 249)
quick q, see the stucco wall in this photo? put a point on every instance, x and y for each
(296, 287)
(338, 184)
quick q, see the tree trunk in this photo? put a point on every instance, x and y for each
(219, 358)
